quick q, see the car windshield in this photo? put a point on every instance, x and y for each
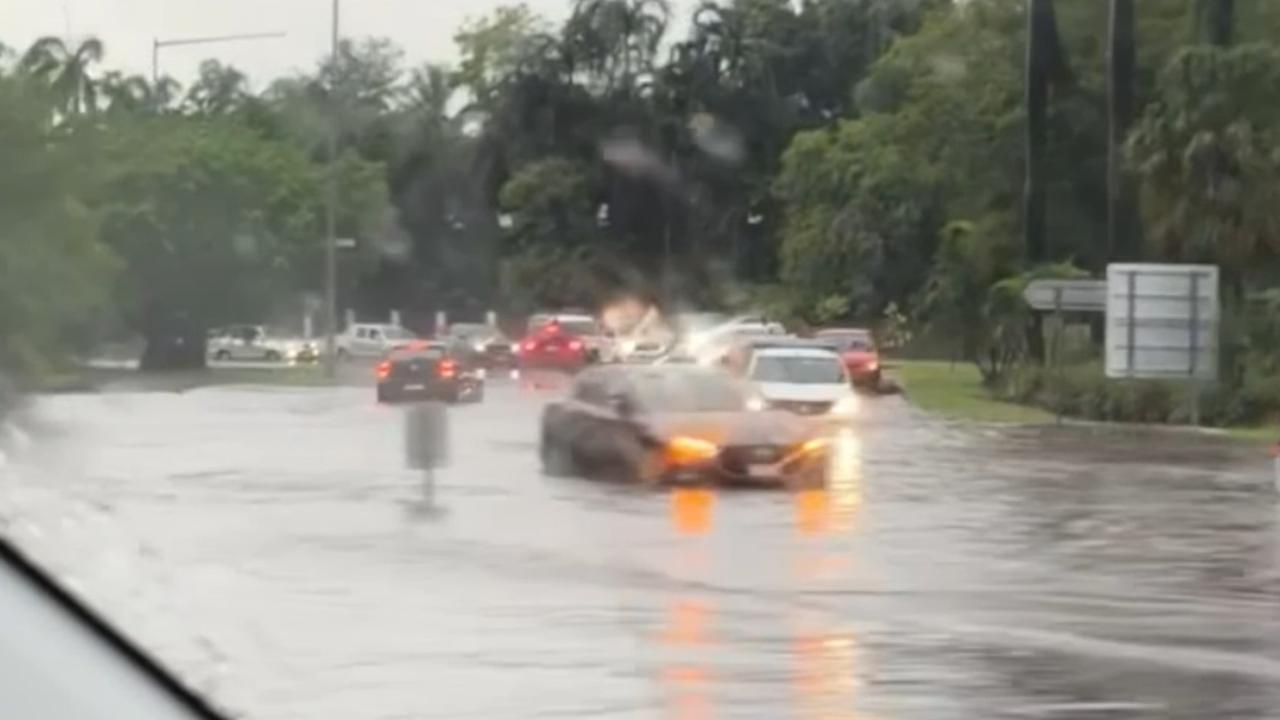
(688, 392)
(579, 327)
(851, 341)
(803, 369)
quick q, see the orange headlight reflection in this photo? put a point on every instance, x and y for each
(691, 510)
(683, 450)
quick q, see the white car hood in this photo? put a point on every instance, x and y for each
(804, 392)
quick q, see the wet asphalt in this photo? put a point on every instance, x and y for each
(271, 545)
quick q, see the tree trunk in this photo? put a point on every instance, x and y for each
(1122, 224)
(1215, 20)
(174, 342)
(1039, 18)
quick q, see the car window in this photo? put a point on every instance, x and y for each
(579, 327)
(682, 392)
(797, 369)
(375, 334)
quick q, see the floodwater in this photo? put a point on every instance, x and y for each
(271, 546)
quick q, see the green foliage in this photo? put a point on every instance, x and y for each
(1205, 152)
(214, 222)
(53, 270)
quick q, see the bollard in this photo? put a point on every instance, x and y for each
(491, 319)
(442, 322)
(395, 318)
(349, 316)
(426, 444)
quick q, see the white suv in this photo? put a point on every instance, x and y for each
(372, 340)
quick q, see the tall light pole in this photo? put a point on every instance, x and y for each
(157, 44)
(330, 215)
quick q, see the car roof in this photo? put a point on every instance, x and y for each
(760, 342)
(798, 352)
(864, 332)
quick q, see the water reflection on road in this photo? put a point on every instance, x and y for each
(258, 540)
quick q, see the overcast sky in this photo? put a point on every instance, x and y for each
(424, 28)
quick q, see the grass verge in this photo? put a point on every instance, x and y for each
(955, 391)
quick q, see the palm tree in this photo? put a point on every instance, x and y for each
(220, 89)
(65, 71)
(1121, 213)
(618, 38)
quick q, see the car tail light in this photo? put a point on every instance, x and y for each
(689, 450)
(447, 368)
(529, 346)
(383, 370)
(575, 345)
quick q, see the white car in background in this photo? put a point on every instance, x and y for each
(372, 340)
(708, 341)
(255, 342)
(802, 380)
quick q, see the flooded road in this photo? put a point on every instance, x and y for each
(270, 544)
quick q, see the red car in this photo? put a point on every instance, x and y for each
(554, 348)
(858, 350)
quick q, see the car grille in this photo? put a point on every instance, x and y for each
(498, 349)
(803, 407)
(735, 459)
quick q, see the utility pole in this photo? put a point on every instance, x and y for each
(330, 219)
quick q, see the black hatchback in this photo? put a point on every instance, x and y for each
(429, 371)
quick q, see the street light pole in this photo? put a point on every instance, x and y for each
(157, 44)
(330, 220)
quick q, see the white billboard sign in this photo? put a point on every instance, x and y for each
(1162, 321)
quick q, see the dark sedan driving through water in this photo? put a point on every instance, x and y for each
(428, 370)
(677, 424)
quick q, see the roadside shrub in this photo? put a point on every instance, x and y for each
(1083, 391)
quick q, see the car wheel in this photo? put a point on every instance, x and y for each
(477, 395)
(557, 460)
(222, 355)
(343, 355)
(272, 356)
(385, 395)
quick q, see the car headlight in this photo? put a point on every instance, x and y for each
(845, 406)
(689, 450)
(757, 403)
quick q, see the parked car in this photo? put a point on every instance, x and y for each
(677, 424)
(487, 343)
(599, 344)
(372, 340)
(857, 348)
(254, 342)
(428, 370)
